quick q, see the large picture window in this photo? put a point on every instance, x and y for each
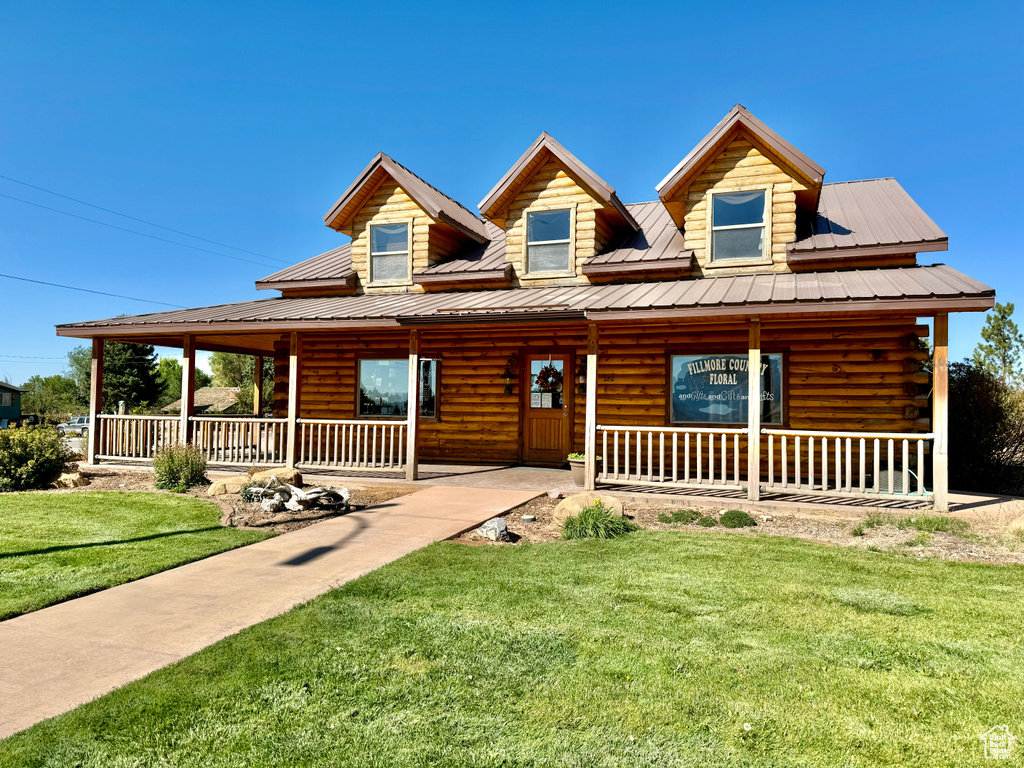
(712, 389)
(389, 253)
(384, 388)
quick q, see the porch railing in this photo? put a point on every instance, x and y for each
(684, 457)
(135, 437)
(241, 440)
(860, 464)
(365, 445)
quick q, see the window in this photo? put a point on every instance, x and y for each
(546, 383)
(738, 225)
(5, 399)
(389, 253)
(384, 388)
(547, 241)
(712, 389)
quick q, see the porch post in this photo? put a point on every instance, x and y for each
(940, 414)
(754, 411)
(590, 433)
(293, 398)
(411, 451)
(257, 387)
(188, 386)
(95, 399)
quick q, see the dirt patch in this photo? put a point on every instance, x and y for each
(836, 528)
(235, 512)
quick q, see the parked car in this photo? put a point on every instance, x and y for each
(76, 425)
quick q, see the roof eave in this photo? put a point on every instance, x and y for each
(796, 254)
(502, 275)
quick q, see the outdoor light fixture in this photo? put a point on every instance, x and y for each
(508, 377)
(581, 377)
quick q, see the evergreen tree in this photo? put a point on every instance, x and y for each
(1000, 351)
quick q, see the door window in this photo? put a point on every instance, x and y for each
(546, 380)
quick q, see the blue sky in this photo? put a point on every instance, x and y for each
(243, 122)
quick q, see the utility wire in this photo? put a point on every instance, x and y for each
(87, 290)
(133, 218)
(136, 232)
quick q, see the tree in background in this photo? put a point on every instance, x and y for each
(80, 371)
(56, 396)
(129, 374)
(169, 372)
(230, 370)
(1000, 351)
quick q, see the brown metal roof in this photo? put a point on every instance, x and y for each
(656, 243)
(867, 217)
(335, 265)
(738, 119)
(432, 200)
(918, 289)
(546, 143)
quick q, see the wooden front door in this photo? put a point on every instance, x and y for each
(547, 407)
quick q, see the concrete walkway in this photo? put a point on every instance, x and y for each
(57, 658)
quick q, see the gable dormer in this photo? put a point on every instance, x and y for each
(556, 213)
(738, 194)
(400, 225)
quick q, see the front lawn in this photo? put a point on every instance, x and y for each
(658, 649)
(54, 546)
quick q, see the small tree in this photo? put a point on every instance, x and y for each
(1000, 351)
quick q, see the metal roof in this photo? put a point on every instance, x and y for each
(868, 215)
(658, 239)
(335, 264)
(432, 200)
(934, 288)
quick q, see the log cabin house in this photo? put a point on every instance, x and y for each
(559, 319)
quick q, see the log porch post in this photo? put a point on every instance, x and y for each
(188, 386)
(293, 399)
(413, 408)
(940, 414)
(754, 411)
(95, 399)
(590, 431)
(257, 387)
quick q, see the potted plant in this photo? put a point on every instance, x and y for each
(578, 465)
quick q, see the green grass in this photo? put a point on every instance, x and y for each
(923, 523)
(54, 546)
(654, 649)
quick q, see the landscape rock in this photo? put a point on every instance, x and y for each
(573, 505)
(71, 480)
(284, 474)
(233, 484)
(494, 529)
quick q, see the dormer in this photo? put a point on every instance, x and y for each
(556, 213)
(400, 225)
(738, 194)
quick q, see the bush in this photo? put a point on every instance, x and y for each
(31, 458)
(707, 522)
(736, 518)
(179, 467)
(681, 516)
(596, 522)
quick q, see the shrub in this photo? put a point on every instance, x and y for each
(596, 522)
(31, 457)
(682, 516)
(707, 522)
(179, 467)
(736, 518)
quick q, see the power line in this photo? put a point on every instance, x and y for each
(134, 218)
(136, 232)
(87, 290)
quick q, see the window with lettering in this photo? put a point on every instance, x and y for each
(712, 389)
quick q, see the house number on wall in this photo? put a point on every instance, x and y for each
(610, 377)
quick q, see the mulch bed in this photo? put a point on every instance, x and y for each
(825, 527)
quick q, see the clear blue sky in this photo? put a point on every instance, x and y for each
(243, 122)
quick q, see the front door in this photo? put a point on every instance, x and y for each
(547, 424)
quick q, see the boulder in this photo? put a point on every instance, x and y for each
(494, 529)
(71, 480)
(284, 474)
(573, 505)
(233, 484)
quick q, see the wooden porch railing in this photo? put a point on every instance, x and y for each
(135, 437)
(362, 444)
(824, 463)
(241, 440)
(684, 457)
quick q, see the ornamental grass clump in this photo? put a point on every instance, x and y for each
(179, 467)
(31, 458)
(597, 522)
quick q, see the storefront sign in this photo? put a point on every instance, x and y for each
(712, 389)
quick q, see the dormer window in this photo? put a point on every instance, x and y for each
(738, 225)
(548, 240)
(389, 253)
